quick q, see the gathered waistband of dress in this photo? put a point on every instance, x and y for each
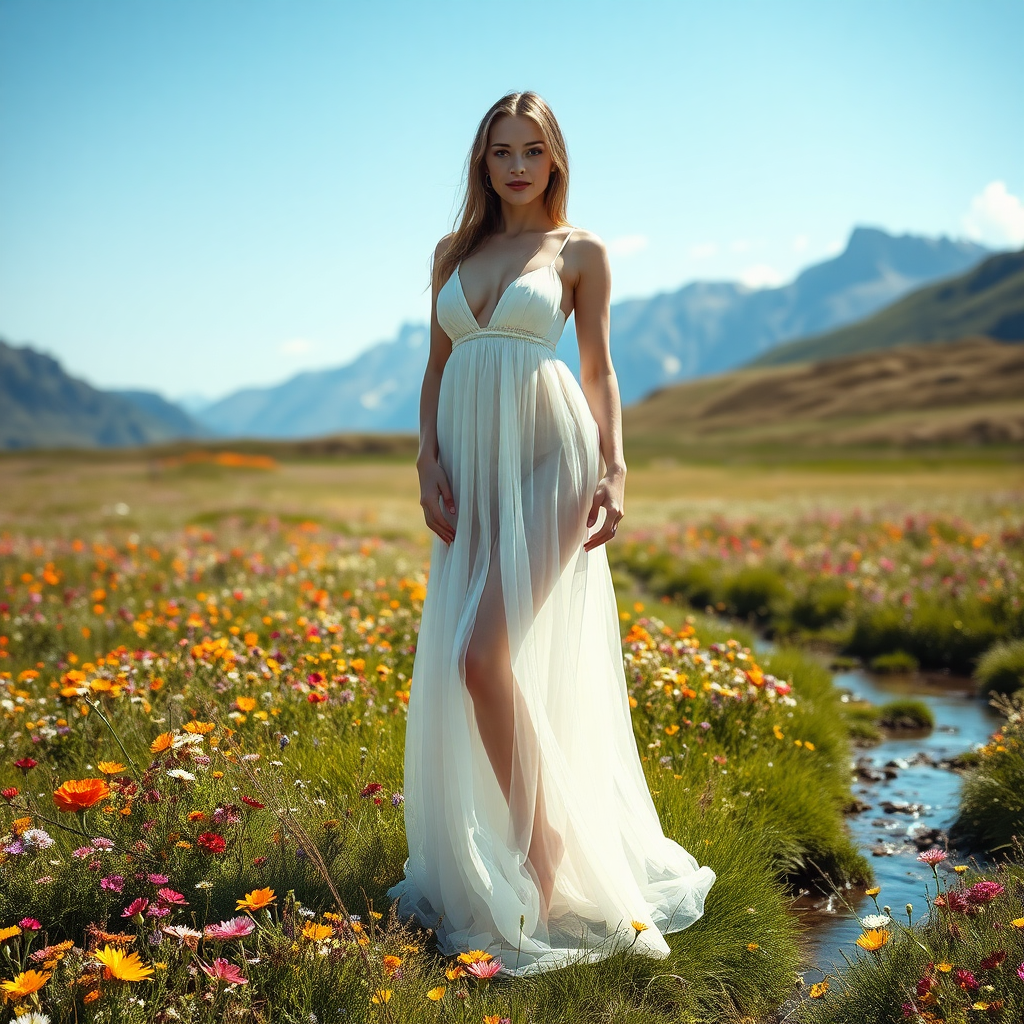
(504, 332)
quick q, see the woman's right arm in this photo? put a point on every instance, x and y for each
(433, 479)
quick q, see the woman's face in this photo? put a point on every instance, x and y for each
(517, 159)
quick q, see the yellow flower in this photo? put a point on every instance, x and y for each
(24, 984)
(110, 767)
(808, 745)
(960, 868)
(475, 956)
(382, 995)
(256, 900)
(873, 939)
(638, 926)
(819, 989)
(9, 933)
(1018, 922)
(752, 946)
(244, 703)
(436, 993)
(454, 972)
(778, 732)
(391, 963)
(317, 932)
(671, 730)
(873, 892)
(121, 965)
(944, 967)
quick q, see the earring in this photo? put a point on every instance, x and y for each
(488, 177)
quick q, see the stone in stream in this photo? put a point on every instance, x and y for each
(927, 838)
(901, 807)
(856, 806)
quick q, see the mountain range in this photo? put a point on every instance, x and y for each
(702, 328)
(42, 406)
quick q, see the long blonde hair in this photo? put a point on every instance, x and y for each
(481, 208)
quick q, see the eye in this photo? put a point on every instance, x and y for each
(500, 152)
(536, 149)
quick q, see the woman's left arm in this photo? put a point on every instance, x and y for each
(591, 302)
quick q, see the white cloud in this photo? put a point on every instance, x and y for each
(761, 276)
(995, 217)
(834, 248)
(703, 251)
(800, 243)
(741, 245)
(627, 245)
(297, 347)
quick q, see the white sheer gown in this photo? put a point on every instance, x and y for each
(521, 450)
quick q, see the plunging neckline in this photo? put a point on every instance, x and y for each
(501, 298)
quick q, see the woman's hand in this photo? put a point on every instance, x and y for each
(609, 496)
(434, 482)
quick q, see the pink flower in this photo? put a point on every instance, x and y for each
(158, 879)
(224, 970)
(30, 924)
(170, 896)
(137, 906)
(236, 928)
(935, 856)
(1020, 972)
(484, 970)
(113, 883)
(984, 892)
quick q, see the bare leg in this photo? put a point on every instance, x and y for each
(491, 684)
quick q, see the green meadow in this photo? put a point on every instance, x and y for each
(205, 660)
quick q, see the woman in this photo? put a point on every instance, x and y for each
(532, 833)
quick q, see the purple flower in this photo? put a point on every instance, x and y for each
(705, 725)
(396, 799)
(102, 843)
(1020, 972)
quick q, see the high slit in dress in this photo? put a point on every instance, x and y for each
(520, 446)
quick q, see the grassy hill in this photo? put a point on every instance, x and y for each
(987, 301)
(969, 391)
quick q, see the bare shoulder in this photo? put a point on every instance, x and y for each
(442, 246)
(587, 252)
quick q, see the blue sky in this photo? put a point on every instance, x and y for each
(199, 195)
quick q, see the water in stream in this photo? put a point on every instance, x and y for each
(962, 722)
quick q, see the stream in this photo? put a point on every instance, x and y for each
(914, 797)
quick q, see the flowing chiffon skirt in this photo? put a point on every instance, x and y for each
(521, 450)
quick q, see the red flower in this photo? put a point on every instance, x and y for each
(966, 980)
(10, 793)
(212, 842)
(26, 764)
(252, 802)
(370, 789)
(993, 960)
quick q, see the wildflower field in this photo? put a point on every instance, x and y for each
(201, 748)
(891, 586)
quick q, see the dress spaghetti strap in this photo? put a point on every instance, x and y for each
(566, 239)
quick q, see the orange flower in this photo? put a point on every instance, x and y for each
(256, 900)
(244, 703)
(161, 743)
(111, 767)
(24, 984)
(79, 794)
